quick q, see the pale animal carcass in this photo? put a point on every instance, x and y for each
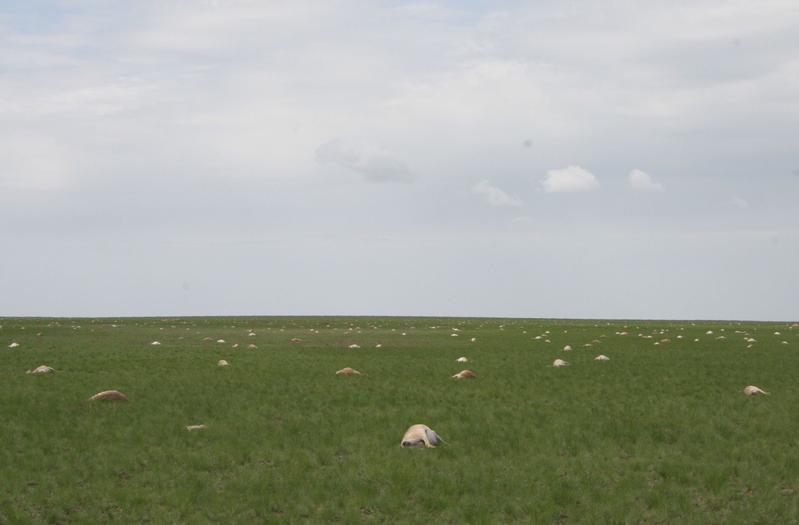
(43, 369)
(601, 357)
(567, 348)
(347, 371)
(465, 374)
(559, 363)
(13, 345)
(222, 362)
(462, 359)
(109, 395)
(192, 428)
(754, 391)
(420, 436)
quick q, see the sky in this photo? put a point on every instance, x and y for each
(570, 159)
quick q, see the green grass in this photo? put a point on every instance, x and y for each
(659, 434)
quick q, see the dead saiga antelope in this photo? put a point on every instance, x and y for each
(109, 395)
(347, 371)
(420, 436)
(754, 391)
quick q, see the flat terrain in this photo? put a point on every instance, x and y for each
(661, 433)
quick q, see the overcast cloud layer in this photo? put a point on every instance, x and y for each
(609, 159)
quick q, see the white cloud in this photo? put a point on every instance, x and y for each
(642, 181)
(573, 178)
(495, 196)
(428, 11)
(375, 164)
(34, 164)
(739, 203)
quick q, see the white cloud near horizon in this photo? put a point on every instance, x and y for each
(33, 164)
(373, 163)
(495, 196)
(642, 181)
(739, 202)
(570, 179)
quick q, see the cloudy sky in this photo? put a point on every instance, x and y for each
(610, 159)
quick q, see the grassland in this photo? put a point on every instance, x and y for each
(659, 434)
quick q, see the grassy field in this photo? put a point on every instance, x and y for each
(661, 433)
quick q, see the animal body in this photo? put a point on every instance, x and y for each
(44, 369)
(420, 436)
(109, 395)
(347, 371)
(754, 391)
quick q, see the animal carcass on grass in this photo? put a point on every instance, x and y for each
(420, 436)
(465, 374)
(347, 371)
(754, 391)
(43, 369)
(109, 395)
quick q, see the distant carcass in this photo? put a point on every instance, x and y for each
(420, 436)
(109, 395)
(754, 391)
(43, 369)
(347, 371)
